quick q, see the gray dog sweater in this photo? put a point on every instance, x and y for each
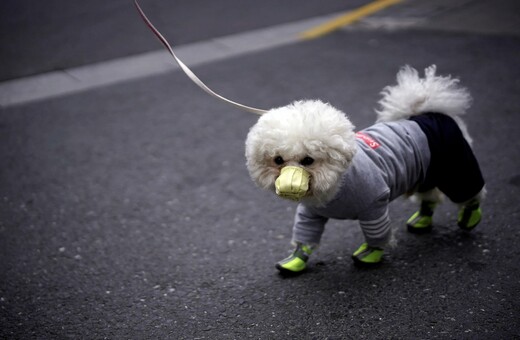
(391, 159)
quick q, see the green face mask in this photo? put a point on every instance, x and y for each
(293, 183)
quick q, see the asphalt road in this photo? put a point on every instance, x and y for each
(55, 34)
(126, 211)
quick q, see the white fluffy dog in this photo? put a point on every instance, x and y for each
(308, 151)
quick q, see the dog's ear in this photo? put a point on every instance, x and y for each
(344, 152)
(350, 150)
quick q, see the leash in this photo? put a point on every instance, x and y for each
(188, 72)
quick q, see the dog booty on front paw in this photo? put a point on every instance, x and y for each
(296, 263)
(469, 216)
(367, 256)
(421, 221)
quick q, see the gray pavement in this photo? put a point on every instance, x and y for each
(126, 211)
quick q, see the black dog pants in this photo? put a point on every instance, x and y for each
(453, 167)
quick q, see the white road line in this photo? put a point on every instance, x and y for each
(78, 79)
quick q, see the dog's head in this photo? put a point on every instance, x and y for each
(301, 150)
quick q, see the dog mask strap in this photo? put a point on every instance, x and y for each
(188, 72)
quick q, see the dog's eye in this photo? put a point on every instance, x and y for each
(279, 160)
(307, 161)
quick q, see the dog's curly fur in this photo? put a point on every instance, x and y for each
(302, 129)
(433, 93)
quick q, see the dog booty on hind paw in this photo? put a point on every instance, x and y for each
(296, 263)
(421, 221)
(469, 216)
(367, 256)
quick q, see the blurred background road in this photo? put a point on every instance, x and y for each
(126, 210)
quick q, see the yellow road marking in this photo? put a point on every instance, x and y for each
(348, 18)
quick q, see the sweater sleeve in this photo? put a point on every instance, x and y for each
(308, 226)
(375, 224)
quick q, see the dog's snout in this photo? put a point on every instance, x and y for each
(293, 183)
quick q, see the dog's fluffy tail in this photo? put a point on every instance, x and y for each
(414, 95)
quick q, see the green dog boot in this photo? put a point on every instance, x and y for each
(296, 263)
(469, 216)
(421, 221)
(367, 256)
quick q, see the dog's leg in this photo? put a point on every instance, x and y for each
(470, 213)
(421, 221)
(296, 263)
